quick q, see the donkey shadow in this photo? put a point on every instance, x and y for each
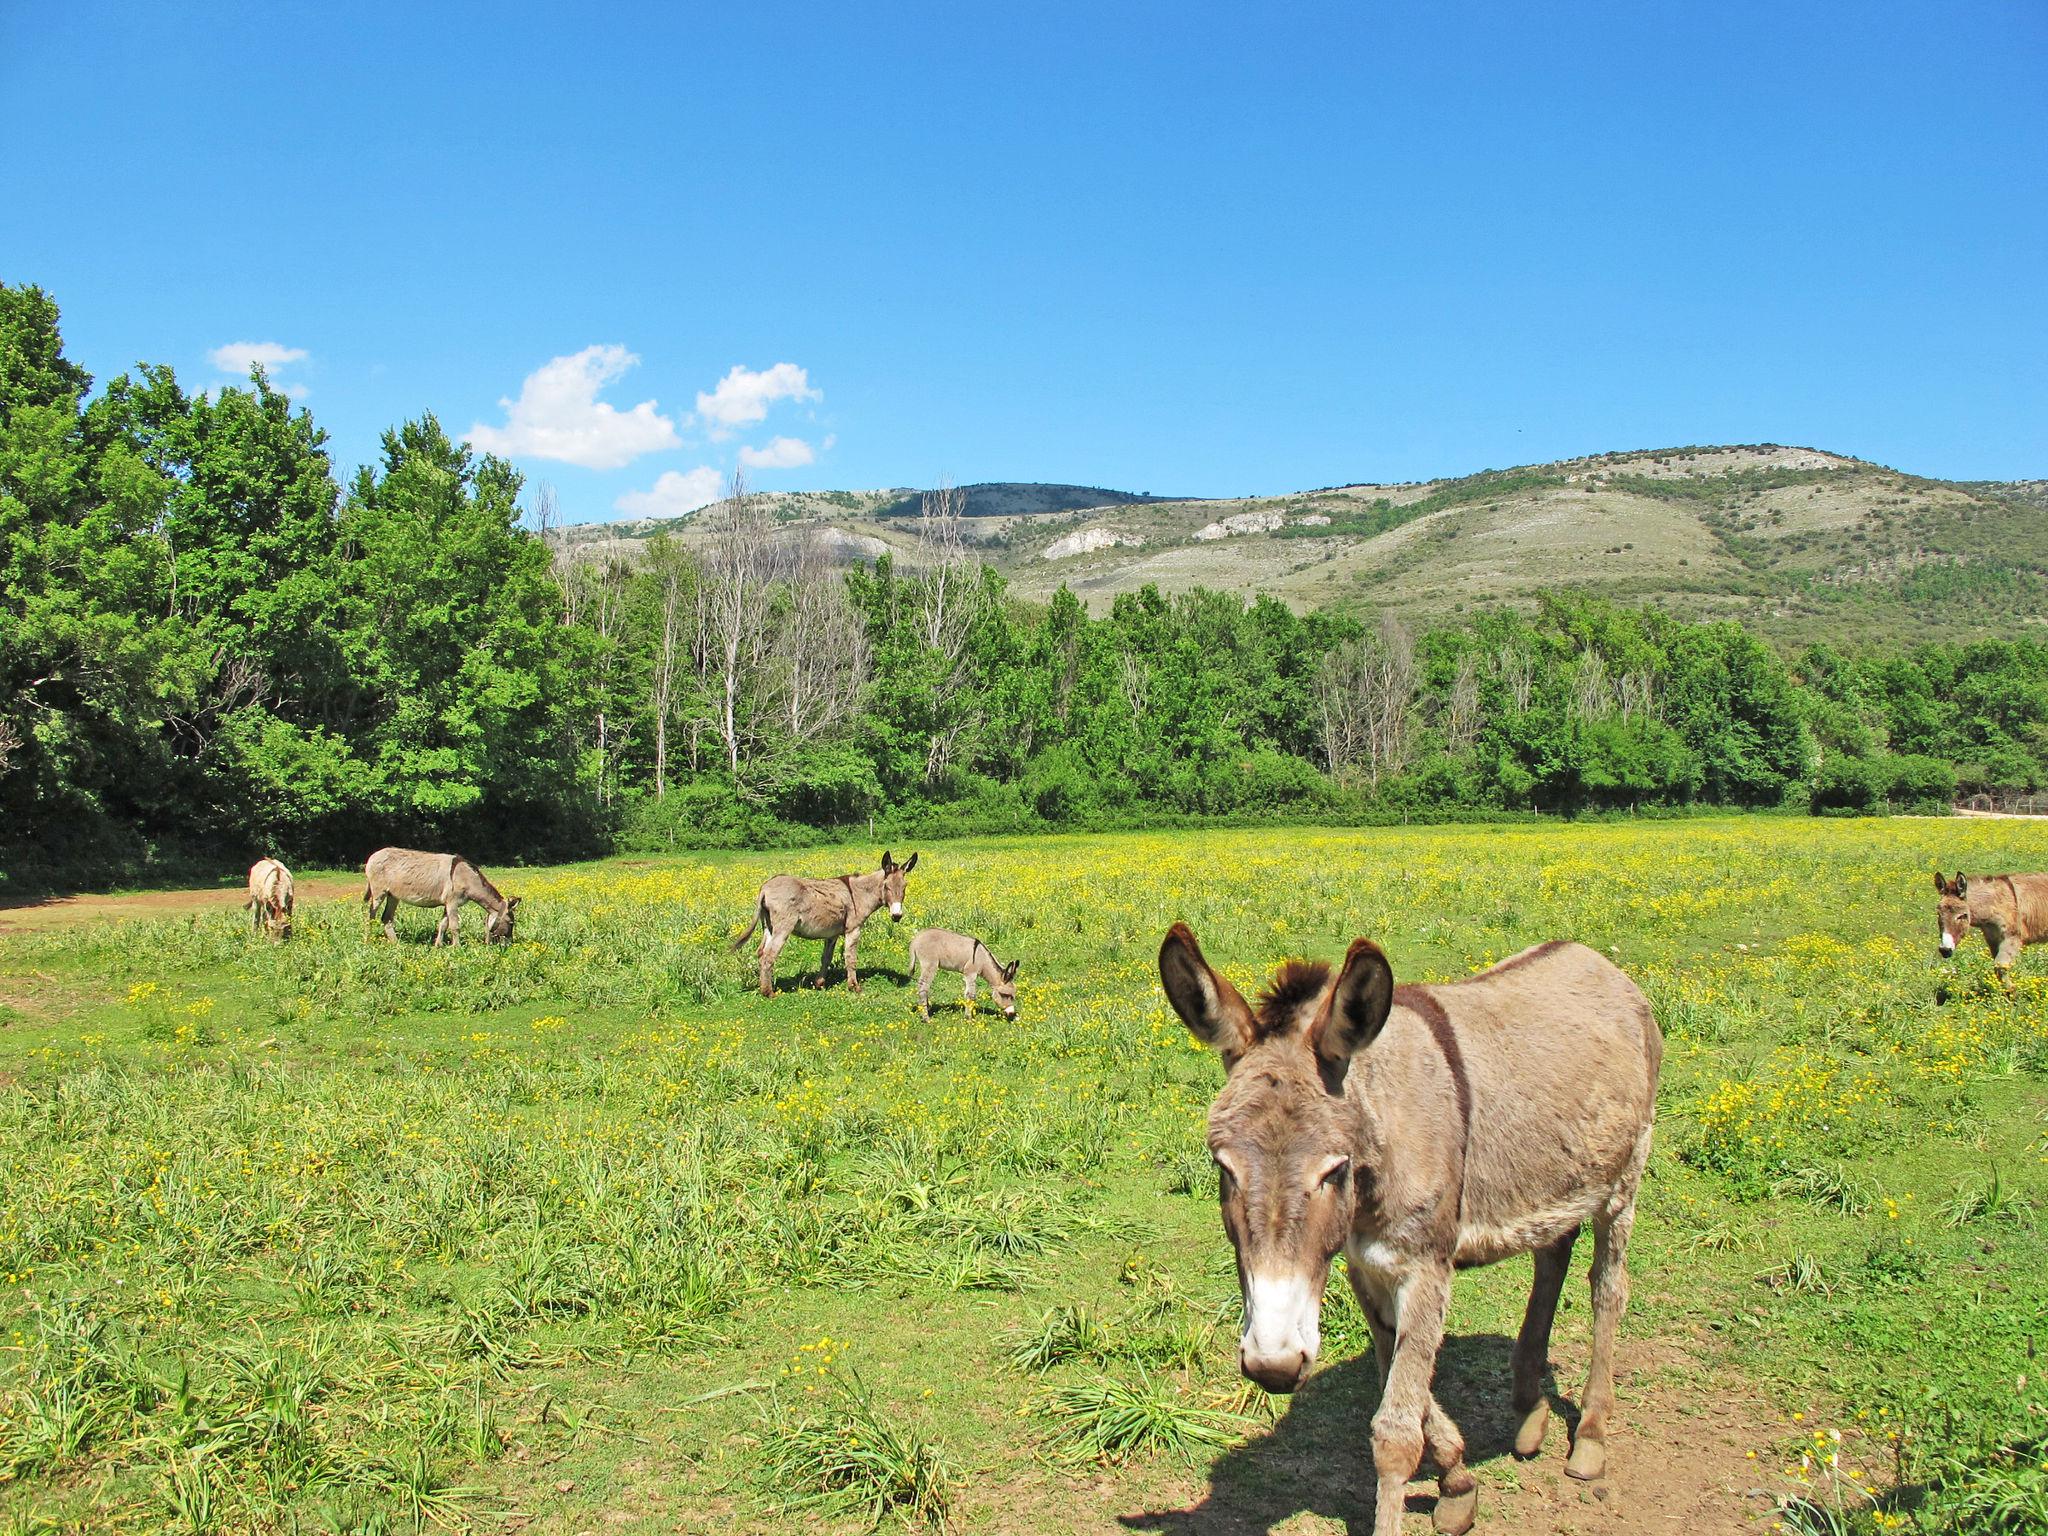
(1317, 1459)
(806, 980)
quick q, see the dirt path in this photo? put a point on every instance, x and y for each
(54, 911)
(1678, 1461)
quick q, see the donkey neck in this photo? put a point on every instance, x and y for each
(983, 964)
(471, 882)
(863, 895)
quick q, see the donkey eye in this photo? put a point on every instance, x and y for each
(1334, 1175)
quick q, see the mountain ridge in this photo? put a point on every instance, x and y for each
(1800, 542)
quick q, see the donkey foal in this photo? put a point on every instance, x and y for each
(940, 949)
(1420, 1129)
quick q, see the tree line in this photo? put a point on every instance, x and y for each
(210, 641)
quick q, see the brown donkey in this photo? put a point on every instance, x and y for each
(2011, 911)
(1420, 1129)
(823, 909)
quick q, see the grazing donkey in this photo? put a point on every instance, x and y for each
(940, 949)
(823, 909)
(444, 880)
(2011, 911)
(270, 898)
(1421, 1129)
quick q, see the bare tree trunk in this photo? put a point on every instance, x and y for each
(1462, 711)
(672, 575)
(1366, 690)
(737, 588)
(949, 592)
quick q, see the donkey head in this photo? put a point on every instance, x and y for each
(1005, 988)
(1952, 912)
(892, 883)
(1282, 1133)
(498, 925)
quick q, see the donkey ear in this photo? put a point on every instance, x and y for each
(1941, 882)
(1357, 1009)
(907, 868)
(1213, 1010)
(1962, 886)
(511, 902)
(1010, 970)
(887, 862)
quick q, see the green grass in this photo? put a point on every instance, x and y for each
(335, 1235)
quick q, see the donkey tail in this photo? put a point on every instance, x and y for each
(760, 916)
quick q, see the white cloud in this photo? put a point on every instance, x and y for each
(558, 416)
(781, 453)
(238, 357)
(675, 493)
(742, 397)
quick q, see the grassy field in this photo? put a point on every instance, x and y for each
(580, 1235)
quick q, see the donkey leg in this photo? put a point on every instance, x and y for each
(1457, 1490)
(454, 923)
(852, 975)
(1609, 1282)
(1532, 1346)
(1375, 1309)
(1397, 1428)
(771, 946)
(391, 918)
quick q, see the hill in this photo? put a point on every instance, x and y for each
(1798, 543)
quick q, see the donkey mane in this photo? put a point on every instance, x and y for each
(1296, 982)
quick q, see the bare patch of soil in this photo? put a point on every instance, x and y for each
(54, 911)
(1677, 1458)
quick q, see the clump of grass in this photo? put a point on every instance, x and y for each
(1800, 1274)
(1986, 1199)
(851, 1458)
(1720, 1237)
(1061, 1334)
(1111, 1420)
(1825, 1185)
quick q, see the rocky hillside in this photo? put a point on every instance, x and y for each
(1800, 543)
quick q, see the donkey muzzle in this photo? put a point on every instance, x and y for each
(1276, 1373)
(1281, 1335)
(1948, 945)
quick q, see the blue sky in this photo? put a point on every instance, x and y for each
(1160, 247)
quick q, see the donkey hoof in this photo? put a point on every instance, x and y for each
(853, 986)
(1535, 1424)
(1455, 1512)
(1587, 1460)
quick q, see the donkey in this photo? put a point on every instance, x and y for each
(270, 898)
(2011, 911)
(940, 949)
(444, 880)
(823, 909)
(1418, 1129)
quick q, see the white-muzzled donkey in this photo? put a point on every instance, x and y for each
(788, 906)
(2011, 911)
(1420, 1129)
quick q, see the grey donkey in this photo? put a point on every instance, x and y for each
(940, 949)
(1417, 1130)
(823, 909)
(444, 880)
